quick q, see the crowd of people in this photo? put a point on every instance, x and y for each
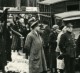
(45, 45)
(41, 44)
(12, 35)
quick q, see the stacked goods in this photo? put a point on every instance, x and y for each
(18, 64)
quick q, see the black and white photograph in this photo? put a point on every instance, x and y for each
(39, 36)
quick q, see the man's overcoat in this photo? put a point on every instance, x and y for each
(67, 44)
(34, 44)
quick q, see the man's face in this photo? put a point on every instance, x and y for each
(37, 28)
(70, 29)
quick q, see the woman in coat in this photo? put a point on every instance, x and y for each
(34, 44)
(52, 48)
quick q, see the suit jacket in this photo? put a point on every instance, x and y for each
(67, 44)
(37, 62)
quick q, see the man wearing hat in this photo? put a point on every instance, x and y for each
(67, 47)
(34, 46)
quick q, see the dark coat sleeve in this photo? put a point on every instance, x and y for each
(62, 44)
(52, 41)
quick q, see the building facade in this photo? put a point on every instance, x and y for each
(7, 3)
(10, 3)
(30, 3)
(19, 3)
(51, 7)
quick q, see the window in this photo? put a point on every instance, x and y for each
(73, 7)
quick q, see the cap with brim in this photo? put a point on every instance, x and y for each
(42, 26)
(34, 24)
(69, 25)
(55, 27)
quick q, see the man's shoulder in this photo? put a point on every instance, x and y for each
(30, 34)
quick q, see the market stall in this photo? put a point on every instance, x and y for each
(18, 64)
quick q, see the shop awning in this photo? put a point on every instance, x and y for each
(68, 15)
(33, 9)
(72, 18)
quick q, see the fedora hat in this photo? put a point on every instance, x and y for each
(34, 24)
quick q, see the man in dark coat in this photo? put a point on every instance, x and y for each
(3, 60)
(8, 41)
(52, 48)
(67, 47)
(34, 44)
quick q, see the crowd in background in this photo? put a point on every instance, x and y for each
(41, 43)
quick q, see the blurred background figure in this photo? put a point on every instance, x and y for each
(58, 40)
(15, 37)
(8, 40)
(45, 37)
(58, 52)
(78, 47)
(77, 66)
(3, 60)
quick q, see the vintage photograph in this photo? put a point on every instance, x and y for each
(39, 36)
